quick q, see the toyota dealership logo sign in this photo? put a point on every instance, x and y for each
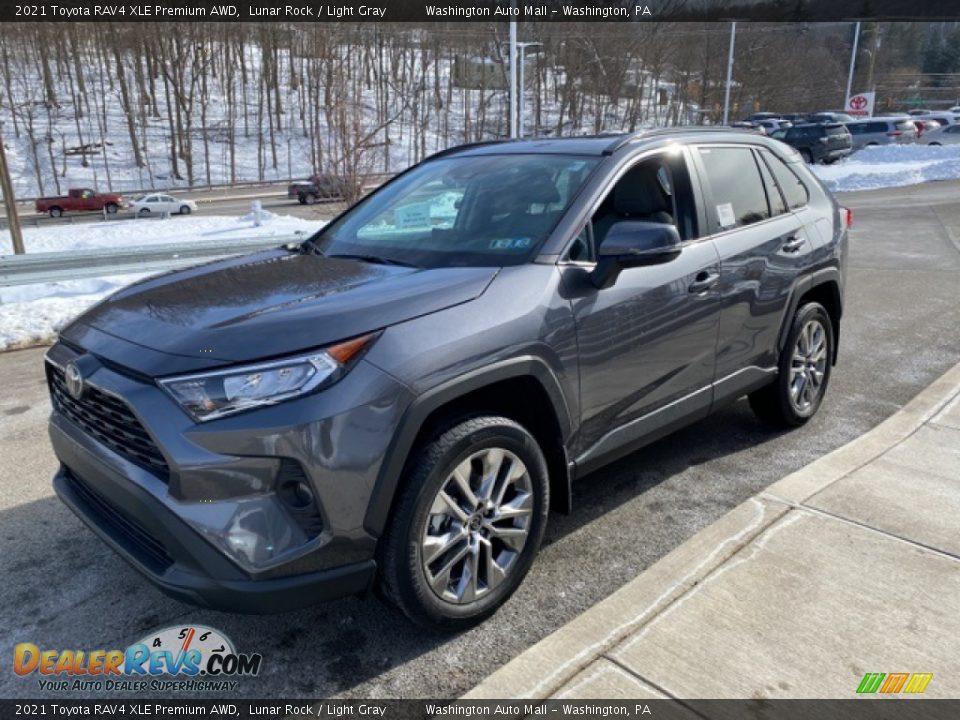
(860, 105)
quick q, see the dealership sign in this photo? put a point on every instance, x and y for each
(861, 105)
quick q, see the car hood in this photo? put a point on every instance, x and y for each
(263, 305)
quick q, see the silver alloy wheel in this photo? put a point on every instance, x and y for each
(808, 365)
(477, 526)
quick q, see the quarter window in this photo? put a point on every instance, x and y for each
(735, 185)
(794, 191)
(777, 205)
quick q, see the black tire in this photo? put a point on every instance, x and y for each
(774, 404)
(309, 199)
(302, 199)
(184, 209)
(55, 212)
(143, 212)
(111, 209)
(934, 143)
(403, 578)
(807, 156)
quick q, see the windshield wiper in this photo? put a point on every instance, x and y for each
(377, 259)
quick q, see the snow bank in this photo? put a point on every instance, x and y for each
(117, 233)
(891, 166)
(32, 314)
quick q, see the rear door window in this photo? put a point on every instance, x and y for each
(794, 191)
(736, 187)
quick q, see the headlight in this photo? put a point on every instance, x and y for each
(212, 395)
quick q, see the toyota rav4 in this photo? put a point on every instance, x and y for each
(397, 402)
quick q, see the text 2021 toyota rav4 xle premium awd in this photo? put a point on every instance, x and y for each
(398, 402)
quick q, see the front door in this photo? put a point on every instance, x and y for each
(647, 343)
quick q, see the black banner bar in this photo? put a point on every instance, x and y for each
(872, 708)
(476, 10)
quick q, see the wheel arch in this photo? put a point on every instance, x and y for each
(524, 389)
(822, 287)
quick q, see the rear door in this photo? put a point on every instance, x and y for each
(763, 246)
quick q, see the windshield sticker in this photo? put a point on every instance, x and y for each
(517, 243)
(726, 216)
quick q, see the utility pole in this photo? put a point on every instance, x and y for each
(853, 63)
(522, 47)
(726, 94)
(13, 220)
(513, 72)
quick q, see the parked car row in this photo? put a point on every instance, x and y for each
(829, 136)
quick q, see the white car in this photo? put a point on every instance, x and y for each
(949, 135)
(158, 203)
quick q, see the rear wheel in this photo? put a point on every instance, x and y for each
(467, 525)
(111, 209)
(55, 212)
(143, 212)
(309, 199)
(934, 143)
(803, 371)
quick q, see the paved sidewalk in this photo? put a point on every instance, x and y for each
(850, 565)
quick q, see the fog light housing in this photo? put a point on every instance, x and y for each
(297, 496)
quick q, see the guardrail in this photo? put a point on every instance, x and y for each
(77, 264)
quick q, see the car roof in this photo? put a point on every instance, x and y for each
(595, 145)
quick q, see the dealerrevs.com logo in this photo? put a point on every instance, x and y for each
(200, 657)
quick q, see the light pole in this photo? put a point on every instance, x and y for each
(13, 219)
(522, 46)
(853, 63)
(513, 72)
(726, 94)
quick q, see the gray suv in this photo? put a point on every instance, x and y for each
(882, 131)
(398, 402)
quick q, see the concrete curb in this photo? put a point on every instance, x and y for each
(540, 671)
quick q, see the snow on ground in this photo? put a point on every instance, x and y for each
(32, 314)
(891, 166)
(117, 233)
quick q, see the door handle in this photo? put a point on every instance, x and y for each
(703, 281)
(792, 244)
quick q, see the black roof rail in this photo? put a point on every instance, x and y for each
(465, 146)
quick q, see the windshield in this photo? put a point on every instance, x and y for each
(490, 210)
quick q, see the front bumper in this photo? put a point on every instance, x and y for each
(171, 523)
(174, 557)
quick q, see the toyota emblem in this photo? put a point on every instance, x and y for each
(74, 381)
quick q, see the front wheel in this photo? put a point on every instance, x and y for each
(184, 209)
(803, 371)
(467, 525)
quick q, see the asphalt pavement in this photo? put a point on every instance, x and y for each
(64, 589)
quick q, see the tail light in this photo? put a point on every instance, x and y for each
(846, 215)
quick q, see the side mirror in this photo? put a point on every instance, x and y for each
(632, 243)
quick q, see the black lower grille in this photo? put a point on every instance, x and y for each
(144, 546)
(108, 420)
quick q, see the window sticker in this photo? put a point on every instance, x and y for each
(416, 215)
(726, 216)
(516, 243)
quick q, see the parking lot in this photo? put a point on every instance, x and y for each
(65, 589)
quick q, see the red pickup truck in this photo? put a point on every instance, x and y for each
(80, 200)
